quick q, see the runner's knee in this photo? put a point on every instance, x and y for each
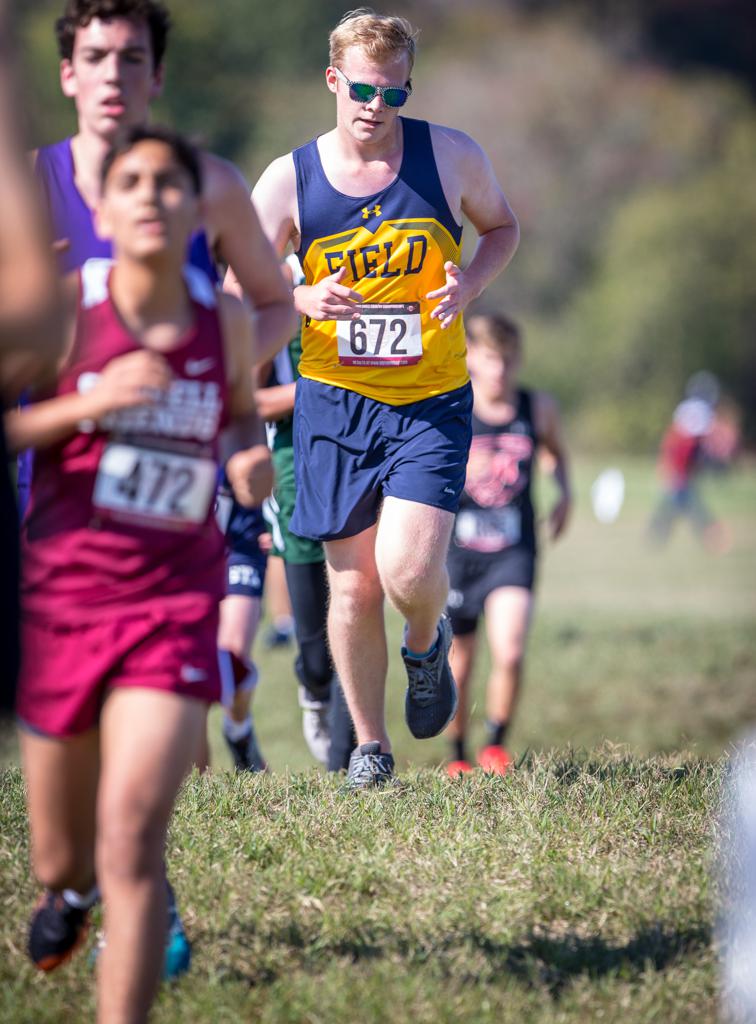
(510, 658)
(355, 597)
(131, 838)
(408, 584)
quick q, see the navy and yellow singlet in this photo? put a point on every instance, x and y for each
(393, 245)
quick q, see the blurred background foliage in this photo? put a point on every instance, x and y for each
(623, 133)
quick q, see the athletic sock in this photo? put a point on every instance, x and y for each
(235, 731)
(458, 750)
(81, 900)
(426, 654)
(497, 732)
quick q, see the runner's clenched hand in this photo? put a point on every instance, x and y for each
(329, 299)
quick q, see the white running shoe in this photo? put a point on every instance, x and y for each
(315, 727)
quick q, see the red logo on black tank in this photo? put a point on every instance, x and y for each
(498, 468)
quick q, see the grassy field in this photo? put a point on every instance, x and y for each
(652, 648)
(577, 889)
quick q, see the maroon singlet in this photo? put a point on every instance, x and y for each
(121, 514)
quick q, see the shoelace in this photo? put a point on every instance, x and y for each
(423, 683)
(372, 766)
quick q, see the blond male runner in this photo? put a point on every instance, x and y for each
(382, 418)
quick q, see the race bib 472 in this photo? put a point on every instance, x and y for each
(150, 485)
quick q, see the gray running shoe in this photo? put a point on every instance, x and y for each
(369, 767)
(431, 699)
(246, 753)
(316, 727)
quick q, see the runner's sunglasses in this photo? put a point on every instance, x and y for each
(361, 92)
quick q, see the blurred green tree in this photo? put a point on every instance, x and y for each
(673, 293)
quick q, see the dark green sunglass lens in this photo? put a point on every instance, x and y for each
(362, 93)
(395, 97)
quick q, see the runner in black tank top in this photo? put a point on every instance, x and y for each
(492, 555)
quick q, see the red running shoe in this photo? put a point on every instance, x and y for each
(456, 768)
(495, 760)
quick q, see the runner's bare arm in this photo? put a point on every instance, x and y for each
(472, 189)
(30, 331)
(275, 196)
(276, 402)
(237, 237)
(551, 438)
(242, 446)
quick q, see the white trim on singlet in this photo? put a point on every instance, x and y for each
(94, 283)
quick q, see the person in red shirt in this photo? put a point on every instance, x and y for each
(123, 561)
(703, 434)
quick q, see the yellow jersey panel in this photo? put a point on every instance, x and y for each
(393, 247)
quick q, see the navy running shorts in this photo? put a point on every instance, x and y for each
(473, 576)
(245, 573)
(351, 451)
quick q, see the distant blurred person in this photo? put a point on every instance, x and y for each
(112, 67)
(240, 612)
(703, 434)
(493, 552)
(280, 633)
(30, 332)
(122, 564)
(326, 722)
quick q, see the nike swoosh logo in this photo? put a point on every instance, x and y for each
(195, 367)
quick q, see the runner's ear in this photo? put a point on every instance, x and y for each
(158, 80)
(67, 79)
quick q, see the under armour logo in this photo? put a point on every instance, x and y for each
(366, 211)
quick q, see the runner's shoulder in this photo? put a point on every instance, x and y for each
(221, 178)
(280, 173)
(454, 145)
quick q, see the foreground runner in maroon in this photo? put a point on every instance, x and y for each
(123, 561)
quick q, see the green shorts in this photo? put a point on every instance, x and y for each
(278, 510)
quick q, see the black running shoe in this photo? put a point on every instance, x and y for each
(246, 753)
(431, 699)
(56, 930)
(369, 767)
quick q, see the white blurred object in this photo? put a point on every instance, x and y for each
(608, 494)
(738, 935)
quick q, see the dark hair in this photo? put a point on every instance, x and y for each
(495, 328)
(79, 13)
(183, 151)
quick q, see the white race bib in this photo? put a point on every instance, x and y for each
(489, 529)
(386, 334)
(163, 488)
